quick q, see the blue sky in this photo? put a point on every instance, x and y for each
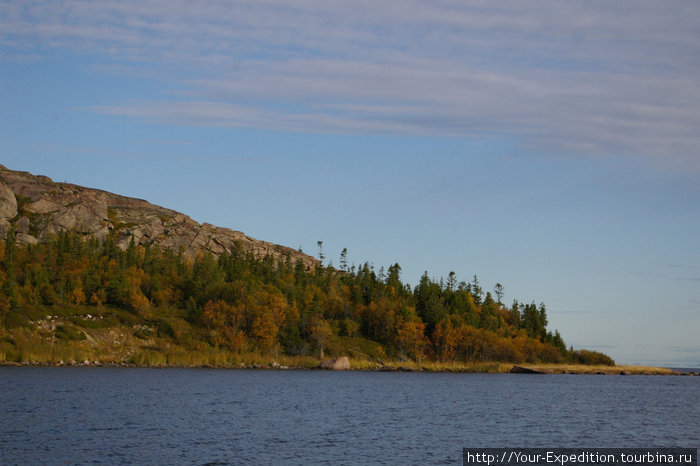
(549, 146)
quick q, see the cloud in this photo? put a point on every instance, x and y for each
(598, 78)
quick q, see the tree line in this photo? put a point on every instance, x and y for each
(245, 303)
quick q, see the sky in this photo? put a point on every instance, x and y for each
(552, 147)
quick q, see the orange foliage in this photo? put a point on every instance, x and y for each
(163, 297)
(220, 314)
(137, 301)
(379, 319)
(410, 338)
(78, 295)
(444, 342)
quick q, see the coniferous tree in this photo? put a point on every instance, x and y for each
(498, 291)
(476, 290)
(243, 302)
(344, 259)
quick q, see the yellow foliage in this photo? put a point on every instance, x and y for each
(137, 301)
(321, 333)
(444, 342)
(235, 339)
(163, 297)
(135, 276)
(410, 337)
(28, 294)
(220, 314)
(264, 330)
(98, 297)
(266, 311)
(77, 296)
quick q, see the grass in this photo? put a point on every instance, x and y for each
(162, 355)
(118, 337)
(180, 357)
(66, 332)
(44, 354)
(359, 348)
(598, 369)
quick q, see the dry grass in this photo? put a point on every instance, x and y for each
(581, 369)
(44, 354)
(117, 345)
(168, 355)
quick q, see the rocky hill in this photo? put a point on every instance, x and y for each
(38, 208)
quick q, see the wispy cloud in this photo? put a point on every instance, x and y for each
(598, 78)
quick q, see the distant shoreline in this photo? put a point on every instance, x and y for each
(493, 368)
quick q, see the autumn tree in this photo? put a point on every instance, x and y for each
(225, 321)
(78, 295)
(321, 334)
(411, 340)
(243, 302)
(444, 341)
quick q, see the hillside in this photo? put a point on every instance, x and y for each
(86, 275)
(38, 208)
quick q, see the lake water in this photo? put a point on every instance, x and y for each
(208, 416)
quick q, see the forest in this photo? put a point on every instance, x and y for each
(239, 303)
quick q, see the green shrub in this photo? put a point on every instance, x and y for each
(592, 358)
(14, 319)
(65, 332)
(143, 333)
(163, 328)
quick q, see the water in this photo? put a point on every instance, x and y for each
(200, 416)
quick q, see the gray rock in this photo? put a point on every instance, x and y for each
(23, 238)
(5, 226)
(50, 208)
(8, 202)
(22, 225)
(43, 206)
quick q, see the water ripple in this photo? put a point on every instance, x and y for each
(85, 415)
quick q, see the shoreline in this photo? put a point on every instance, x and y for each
(476, 368)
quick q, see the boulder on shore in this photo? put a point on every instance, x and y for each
(339, 364)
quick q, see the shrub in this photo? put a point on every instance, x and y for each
(65, 332)
(144, 333)
(592, 358)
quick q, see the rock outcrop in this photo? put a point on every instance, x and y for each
(38, 208)
(8, 207)
(340, 364)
